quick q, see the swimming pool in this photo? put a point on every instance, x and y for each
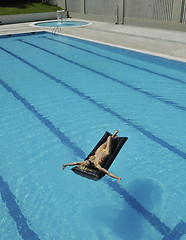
(58, 96)
(69, 23)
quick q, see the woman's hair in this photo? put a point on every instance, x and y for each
(87, 165)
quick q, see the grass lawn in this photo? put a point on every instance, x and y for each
(26, 7)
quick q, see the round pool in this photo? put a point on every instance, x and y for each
(62, 24)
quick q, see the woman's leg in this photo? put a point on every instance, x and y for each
(108, 144)
(116, 132)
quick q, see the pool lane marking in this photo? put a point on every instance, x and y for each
(153, 220)
(146, 93)
(148, 134)
(9, 198)
(177, 232)
(169, 234)
(15, 212)
(116, 60)
(61, 136)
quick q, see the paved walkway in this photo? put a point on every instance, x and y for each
(156, 41)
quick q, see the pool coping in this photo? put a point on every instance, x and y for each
(46, 29)
(131, 49)
(156, 42)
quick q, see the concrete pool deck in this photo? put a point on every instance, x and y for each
(166, 43)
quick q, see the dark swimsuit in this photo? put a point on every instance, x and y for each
(91, 165)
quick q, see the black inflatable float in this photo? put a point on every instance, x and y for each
(95, 174)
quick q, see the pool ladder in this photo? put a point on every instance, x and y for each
(60, 16)
(57, 29)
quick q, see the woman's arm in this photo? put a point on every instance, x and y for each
(108, 173)
(71, 164)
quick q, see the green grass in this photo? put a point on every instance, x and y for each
(26, 7)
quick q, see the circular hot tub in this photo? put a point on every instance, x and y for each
(61, 24)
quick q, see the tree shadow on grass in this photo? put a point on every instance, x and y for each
(18, 3)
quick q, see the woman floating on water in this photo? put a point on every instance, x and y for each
(95, 161)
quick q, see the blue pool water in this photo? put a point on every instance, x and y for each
(61, 24)
(58, 96)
